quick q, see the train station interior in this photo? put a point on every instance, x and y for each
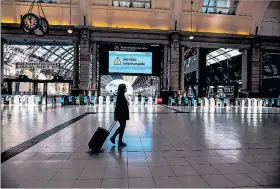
(202, 82)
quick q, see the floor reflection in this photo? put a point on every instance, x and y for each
(234, 147)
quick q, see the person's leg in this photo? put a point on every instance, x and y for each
(112, 139)
(121, 132)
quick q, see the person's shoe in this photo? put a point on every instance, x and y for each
(112, 140)
(122, 144)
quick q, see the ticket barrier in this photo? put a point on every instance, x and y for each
(143, 101)
(150, 101)
(212, 102)
(31, 100)
(274, 102)
(70, 100)
(114, 100)
(193, 101)
(205, 102)
(24, 99)
(260, 103)
(179, 101)
(254, 103)
(78, 102)
(266, 102)
(199, 102)
(136, 100)
(100, 100)
(237, 102)
(242, 102)
(248, 102)
(186, 101)
(62, 101)
(226, 102)
(92, 100)
(8, 100)
(85, 100)
(108, 100)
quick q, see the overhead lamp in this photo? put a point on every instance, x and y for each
(70, 30)
(191, 36)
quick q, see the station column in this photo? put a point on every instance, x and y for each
(84, 60)
(3, 41)
(255, 68)
(251, 70)
(94, 66)
(165, 67)
(201, 73)
(175, 62)
(76, 66)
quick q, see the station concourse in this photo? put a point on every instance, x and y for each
(202, 79)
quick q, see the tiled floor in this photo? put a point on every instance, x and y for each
(226, 147)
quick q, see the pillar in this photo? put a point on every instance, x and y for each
(165, 67)
(251, 70)
(255, 82)
(10, 88)
(175, 62)
(35, 88)
(244, 71)
(201, 73)
(182, 70)
(3, 41)
(84, 60)
(94, 68)
(76, 66)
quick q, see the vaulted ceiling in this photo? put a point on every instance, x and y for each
(159, 14)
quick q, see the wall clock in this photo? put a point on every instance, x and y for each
(30, 21)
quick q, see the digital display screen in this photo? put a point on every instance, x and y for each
(130, 62)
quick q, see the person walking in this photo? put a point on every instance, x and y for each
(121, 114)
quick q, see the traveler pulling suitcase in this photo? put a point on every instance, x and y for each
(99, 137)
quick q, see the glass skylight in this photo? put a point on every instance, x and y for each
(220, 55)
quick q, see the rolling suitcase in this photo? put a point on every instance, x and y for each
(99, 138)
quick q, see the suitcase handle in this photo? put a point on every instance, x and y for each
(112, 126)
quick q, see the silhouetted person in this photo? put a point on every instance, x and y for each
(121, 114)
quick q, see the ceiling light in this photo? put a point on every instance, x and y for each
(70, 30)
(191, 37)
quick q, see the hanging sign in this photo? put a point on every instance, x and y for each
(38, 65)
